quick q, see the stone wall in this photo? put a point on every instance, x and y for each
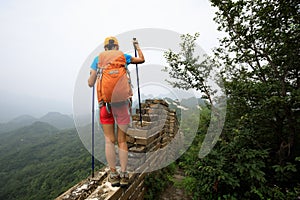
(152, 145)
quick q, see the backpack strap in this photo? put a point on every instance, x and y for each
(99, 72)
(129, 77)
(107, 105)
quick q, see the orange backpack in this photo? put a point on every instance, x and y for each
(113, 82)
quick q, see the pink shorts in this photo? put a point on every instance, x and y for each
(115, 113)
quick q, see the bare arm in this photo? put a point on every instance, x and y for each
(140, 59)
(92, 78)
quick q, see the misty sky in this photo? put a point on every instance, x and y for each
(44, 43)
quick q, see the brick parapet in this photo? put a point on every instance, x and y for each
(149, 145)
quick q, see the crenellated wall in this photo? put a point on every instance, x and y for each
(152, 145)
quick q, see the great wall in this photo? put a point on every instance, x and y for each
(152, 145)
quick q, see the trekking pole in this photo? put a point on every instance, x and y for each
(138, 83)
(93, 130)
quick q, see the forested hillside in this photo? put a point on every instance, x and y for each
(40, 162)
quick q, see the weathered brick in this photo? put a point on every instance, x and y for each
(145, 140)
(157, 101)
(137, 132)
(148, 118)
(130, 139)
(138, 149)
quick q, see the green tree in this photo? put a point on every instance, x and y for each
(258, 153)
(187, 70)
(261, 59)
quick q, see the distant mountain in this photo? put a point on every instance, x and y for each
(24, 119)
(11, 106)
(36, 127)
(39, 128)
(27, 135)
(58, 120)
(16, 123)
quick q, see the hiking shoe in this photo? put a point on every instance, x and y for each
(114, 179)
(124, 179)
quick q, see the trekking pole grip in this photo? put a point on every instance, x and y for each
(134, 43)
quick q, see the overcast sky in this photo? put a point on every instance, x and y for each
(44, 43)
